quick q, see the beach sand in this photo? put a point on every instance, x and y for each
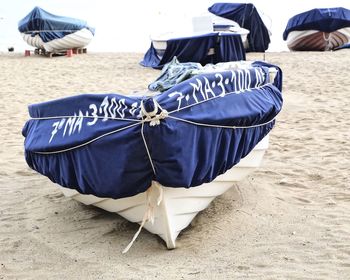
(288, 220)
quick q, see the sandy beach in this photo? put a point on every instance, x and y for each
(289, 220)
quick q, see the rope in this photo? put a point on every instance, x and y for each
(85, 117)
(221, 126)
(153, 118)
(66, 30)
(154, 196)
(217, 96)
(147, 150)
(88, 142)
(328, 41)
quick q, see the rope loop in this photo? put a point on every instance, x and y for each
(153, 117)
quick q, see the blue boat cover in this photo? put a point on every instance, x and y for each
(49, 26)
(112, 145)
(227, 47)
(326, 20)
(247, 17)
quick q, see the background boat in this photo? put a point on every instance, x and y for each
(52, 33)
(248, 17)
(201, 25)
(318, 30)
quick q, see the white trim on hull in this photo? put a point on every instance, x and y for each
(178, 206)
(314, 40)
(78, 39)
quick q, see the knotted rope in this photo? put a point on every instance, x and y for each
(152, 117)
(154, 196)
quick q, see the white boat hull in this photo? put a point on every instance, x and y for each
(314, 40)
(178, 206)
(78, 39)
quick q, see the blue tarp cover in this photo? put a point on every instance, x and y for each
(49, 26)
(227, 47)
(326, 20)
(93, 142)
(247, 17)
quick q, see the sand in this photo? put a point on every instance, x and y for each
(288, 220)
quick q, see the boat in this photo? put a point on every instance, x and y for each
(246, 16)
(178, 206)
(216, 25)
(323, 29)
(157, 160)
(53, 33)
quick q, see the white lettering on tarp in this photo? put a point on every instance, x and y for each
(259, 74)
(133, 108)
(74, 123)
(57, 126)
(108, 109)
(93, 107)
(196, 87)
(179, 99)
(111, 110)
(103, 108)
(122, 107)
(203, 89)
(79, 122)
(208, 90)
(240, 81)
(220, 84)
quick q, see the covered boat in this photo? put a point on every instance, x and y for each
(211, 40)
(206, 48)
(161, 158)
(247, 16)
(52, 33)
(215, 24)
(318, 30)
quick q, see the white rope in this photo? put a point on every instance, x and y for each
(52, 30)
(154, 119)
(154, 196)
(218, 96)
(89, 142)
(85, 117)
(328, 41)
(221, 126)
(147, 150)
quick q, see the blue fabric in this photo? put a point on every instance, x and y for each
(53, 27)
(173, 73)
(326, 20)
(278, 82)
(247, 17)
(115, 164)
(195, 49)
(346, 46)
